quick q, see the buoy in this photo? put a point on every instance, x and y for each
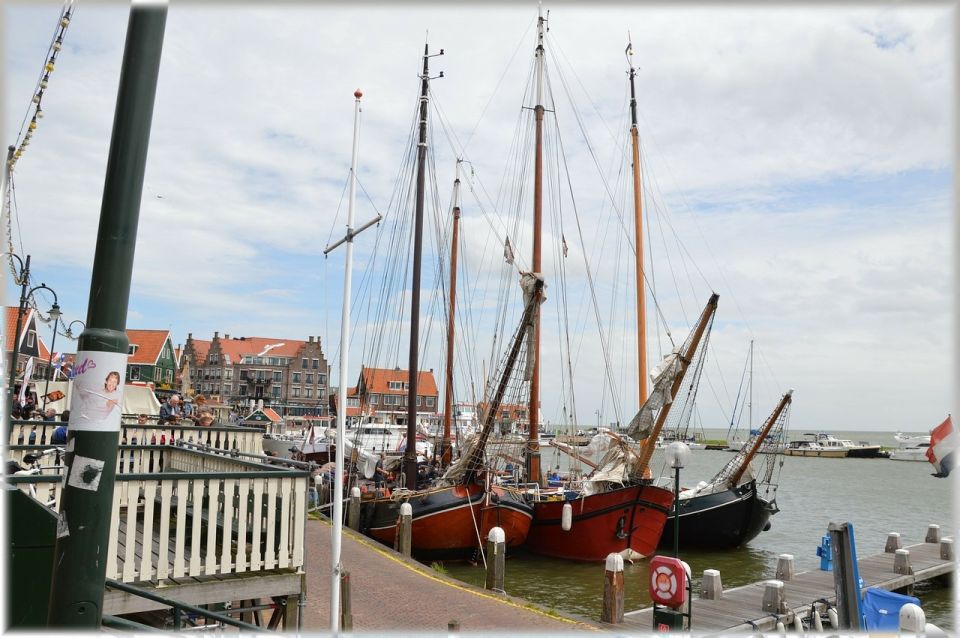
(566, 518)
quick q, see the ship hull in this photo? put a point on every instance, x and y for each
(630, 517)
(721, 520)
(452, 522)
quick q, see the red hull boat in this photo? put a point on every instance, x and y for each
(631, 517)
(452, 522)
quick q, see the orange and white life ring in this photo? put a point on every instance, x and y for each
(663, 582)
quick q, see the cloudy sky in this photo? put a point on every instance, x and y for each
(797, 160)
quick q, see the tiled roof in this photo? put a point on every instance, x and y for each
(149, 345)
(272, 415)
(377, 380)
(10, 322)
(201, 347)
(238, 348)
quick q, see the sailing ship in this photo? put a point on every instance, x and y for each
(729, 510)
(451, 516)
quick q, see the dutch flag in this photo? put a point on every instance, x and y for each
(943, 441)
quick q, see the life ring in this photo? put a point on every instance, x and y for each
(663, 583)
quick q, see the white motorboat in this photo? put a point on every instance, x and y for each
(911, 448)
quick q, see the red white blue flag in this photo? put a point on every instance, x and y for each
(943, 442)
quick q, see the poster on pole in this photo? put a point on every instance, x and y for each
(96, 404)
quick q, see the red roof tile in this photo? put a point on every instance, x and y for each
(272, 415)
(238, 348)
(377, 380)
(149, 345)
(201, 347)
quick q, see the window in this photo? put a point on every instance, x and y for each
(296, 377)
(396, 385)
(316, 364)
(260, 376)
(258, 360)
(169, 376)
(295, 392)
(374, 399)
(389, 399)
(353, 402)
(309, 378)
(308, 393)
(134, 373)
(418, 400)
(277, 375)
(242, 390)
(32, 338)
(228, 374)
(275, 390)
(132, 349)
(303, 363)
(227, 388)
(213, 358)
(431, 401)
(322, 379)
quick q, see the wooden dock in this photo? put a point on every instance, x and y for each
(741, 608)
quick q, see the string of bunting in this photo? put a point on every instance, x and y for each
(51, 60)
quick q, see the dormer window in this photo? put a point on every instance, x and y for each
(132, 349)
(31, 338)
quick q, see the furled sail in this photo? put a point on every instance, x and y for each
(662, 376)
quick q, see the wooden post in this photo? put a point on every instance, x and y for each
(946, 549)
(290, 611)
(353, 512)
(613, 590)
(405, 529)
(933, 534)
(496, 552)
(773, 598)
(785, 568)
(711, 588)
(893, 543)
(901, 562)
(346, 613)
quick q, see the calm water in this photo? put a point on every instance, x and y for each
(876, 495)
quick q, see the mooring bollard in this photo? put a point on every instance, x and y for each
(912, 619)
(946, 549)
(353, 511)
(710, 587)
(773, 598)
(893, 543)
(346, 614)
(613, 590)
(785, 569)
(405, 529)
(901, 562)
(933, 534)
(496, 563)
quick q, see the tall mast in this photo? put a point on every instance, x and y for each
(533, 441)
(445, 447)
(410, 454)
(342, 390)
(750, 401)
(638, 225)
(758, 442)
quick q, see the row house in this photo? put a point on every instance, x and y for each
(29, 344)
(382, 394)
(152, 360)
(510, 417)
(289, 375)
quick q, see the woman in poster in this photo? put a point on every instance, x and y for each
(98, 405)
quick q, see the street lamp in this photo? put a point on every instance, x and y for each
(677, 453)
(55, 318)
(24, 278)
(69, 332)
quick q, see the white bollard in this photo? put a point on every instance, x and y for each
(933, 534)
(711, 588)
(566, 517)
(353, 509)
(773, 598)
(901, 562)
(405, 529)
(785, 569)
(613, 591)
(893, 543)
(496, 555)
(912, 619)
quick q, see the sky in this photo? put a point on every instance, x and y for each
(798, 160)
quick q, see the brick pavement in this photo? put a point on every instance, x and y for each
(391, 592)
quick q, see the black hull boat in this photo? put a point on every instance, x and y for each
(723, 519)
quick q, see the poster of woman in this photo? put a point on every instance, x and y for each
(98, 391)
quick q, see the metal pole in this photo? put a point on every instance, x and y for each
(15, 341)
(80, 557)
(676, 513)
(342, 391)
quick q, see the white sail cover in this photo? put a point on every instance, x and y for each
(662, 376)
(528, 282)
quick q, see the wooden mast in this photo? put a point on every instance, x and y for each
(685, 359)
(533, 439)
(445, 445)
(638, 226)
(410, 454)
(784, 402)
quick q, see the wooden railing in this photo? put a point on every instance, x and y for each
(225, 437)
(200, 514)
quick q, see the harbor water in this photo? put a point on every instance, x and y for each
(877, 496)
